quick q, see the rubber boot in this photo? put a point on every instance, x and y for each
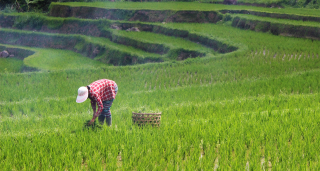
(109, 120)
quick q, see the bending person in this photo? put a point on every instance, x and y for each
(102, 93)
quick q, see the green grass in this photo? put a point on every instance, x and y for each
(55, 59)
(103, 42)
(49, 59)
(176, 6)
(246, 1)
(247, 63)
(127, 49)
(169, 41)
(280, 21)
(196, 119)
(28, 22)
(259, 1)
(10, 65)
(252, 40)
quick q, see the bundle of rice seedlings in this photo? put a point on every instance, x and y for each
(94, 125)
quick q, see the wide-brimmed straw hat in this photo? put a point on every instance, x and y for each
(82, 94)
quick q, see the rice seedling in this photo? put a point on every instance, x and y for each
(93, 126)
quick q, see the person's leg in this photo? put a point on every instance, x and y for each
(109, 120)
(106, 111)
(101, 118)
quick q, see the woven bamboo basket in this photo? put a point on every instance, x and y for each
(146, 119)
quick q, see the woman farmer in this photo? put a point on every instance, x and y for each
(102, 93)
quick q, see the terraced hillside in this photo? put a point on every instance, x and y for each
(96, 39)
(237, 87)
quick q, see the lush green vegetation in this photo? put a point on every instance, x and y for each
(54, 59)
(47, 59)
(175, 6)
(276, 26)
(10, 65)
(254, 108)
(202, 113)
(168, 41)
(278, 21)
(39, 5)
(110, 45)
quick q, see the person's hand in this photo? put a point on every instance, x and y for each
(91, 122)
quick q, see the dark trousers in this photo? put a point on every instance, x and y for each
(103, 117)
(106, 113)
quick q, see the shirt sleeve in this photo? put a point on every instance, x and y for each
(100, 106)
(93, 105)
(114, 89)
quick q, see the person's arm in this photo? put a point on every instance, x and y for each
(96, 114)
(93, 105)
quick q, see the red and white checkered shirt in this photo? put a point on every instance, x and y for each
(102, 90)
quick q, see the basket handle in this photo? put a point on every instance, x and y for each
(147, 113)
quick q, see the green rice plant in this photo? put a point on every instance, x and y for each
(10, 65)
(54, 59)
(172, 42)
(280, 21)
(187, 6)
(94, 125)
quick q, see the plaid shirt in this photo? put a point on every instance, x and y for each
(100, 91)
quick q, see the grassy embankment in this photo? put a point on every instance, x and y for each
(281, 27)
(56, 23)
(171, 47)
(178, 6)
(47, 59)
(192, 13)
(73, 42)
(278, 21)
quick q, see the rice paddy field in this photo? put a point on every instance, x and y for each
(231, 97)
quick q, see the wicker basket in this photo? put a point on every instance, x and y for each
(146, 119)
